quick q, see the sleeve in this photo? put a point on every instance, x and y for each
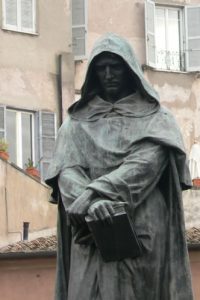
(138, 175)
(68, 163)
(72, 183)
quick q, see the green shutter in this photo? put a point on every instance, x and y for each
(79, 28)
(150, 33)
(2, 121)
(192, 17)
(47, 135)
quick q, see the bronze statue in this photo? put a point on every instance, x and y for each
(119, 145)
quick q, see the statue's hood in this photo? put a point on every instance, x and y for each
(111, 42)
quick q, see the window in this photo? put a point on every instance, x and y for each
(19, 15)
(169, 54)
(29, 135)
(20, 136)
(79, 28)
(173, 37)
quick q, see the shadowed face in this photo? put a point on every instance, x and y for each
(113, 76)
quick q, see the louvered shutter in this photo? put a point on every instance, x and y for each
(150, 33)
(2, 121)
(47, 135)
(28, 15)
(79, 28)
(192, 17)
(10, 14)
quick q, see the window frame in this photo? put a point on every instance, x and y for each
(19, 27)
(42, 134)
(18, 120)
(185, 65)
(167, 8)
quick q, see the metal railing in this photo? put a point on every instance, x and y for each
(170, 60)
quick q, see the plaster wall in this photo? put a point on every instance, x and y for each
(28, 279)
(180, 92)
(29, 63)
(191, 205)
(23, 199)
(34, 278)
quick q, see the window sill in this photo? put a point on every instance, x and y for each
(80, 58)
(146, 67)
(21, 32)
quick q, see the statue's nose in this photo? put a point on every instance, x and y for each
(108, 72)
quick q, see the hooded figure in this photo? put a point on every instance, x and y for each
(120, 148)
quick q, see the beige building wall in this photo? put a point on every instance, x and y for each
(23, 199)
(34, 278)
(27, 278)
(29, 63)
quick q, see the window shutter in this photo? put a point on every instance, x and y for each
(10, 14)
(2, 121)
(28, 15)
(192, 17)
(150, 33)
(79, 28)
(47, 135)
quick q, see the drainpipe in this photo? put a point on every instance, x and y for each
(66, 84)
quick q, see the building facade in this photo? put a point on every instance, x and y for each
(36, 87)
(35, 51)
(165, 35)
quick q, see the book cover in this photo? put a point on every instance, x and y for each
(118, 240)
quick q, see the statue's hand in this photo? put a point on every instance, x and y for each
(78, 209)
(102, 210)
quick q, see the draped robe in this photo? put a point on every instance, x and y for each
(130, 151)
(123, 158)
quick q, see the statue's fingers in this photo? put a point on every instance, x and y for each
(110, 209)
(105, 214)
(92, 213)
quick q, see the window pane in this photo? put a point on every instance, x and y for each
(11, 12)
(174, 39)
(168, 49)
(27, 14)
(173, 31)
(26, 137)
(11, 134)
(160, 38)
(160, 29)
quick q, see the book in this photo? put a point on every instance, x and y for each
(118, 240)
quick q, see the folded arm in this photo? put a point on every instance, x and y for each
(131, 182)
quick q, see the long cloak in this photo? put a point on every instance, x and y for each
(129, 151)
